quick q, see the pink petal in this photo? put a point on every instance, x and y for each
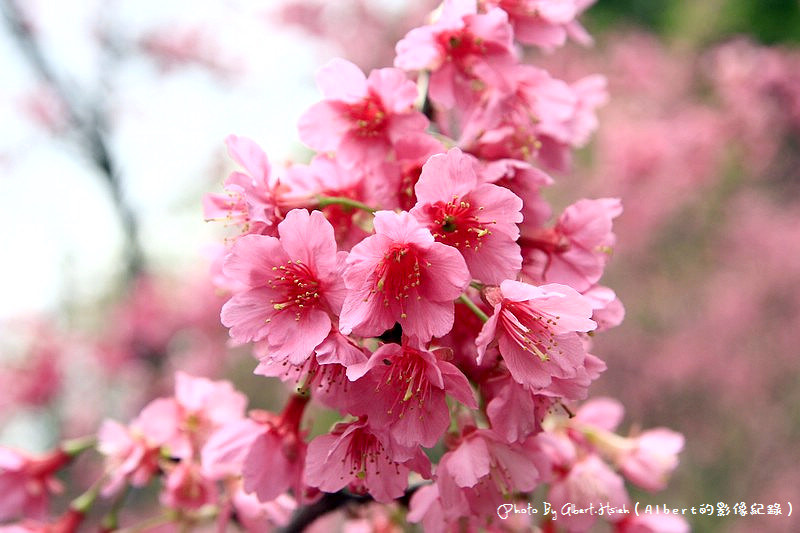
(340, 79)
(323, 125)
(246, 314)
(248, 154)
(251, 259)
(309, 238)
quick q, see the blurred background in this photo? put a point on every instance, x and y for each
(113, 118)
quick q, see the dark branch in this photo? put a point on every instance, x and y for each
(90, 125)
(305, 516)
(329, 502)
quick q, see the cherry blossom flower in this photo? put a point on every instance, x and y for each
(293, 284)
(366, 459)
(186, 488)
(257, 516)
(276, 457)
(541, 119)
(26, 482)
(545, 23)
(133, 452)
(608, 310)
(651, 458)
(323, 375)
(478, 220)
(588, 481)
(517, 411)
(465, 52)
(524, 180)
(403, 388)
(575, 251)
(482, 471)
(203, 406)
(401, 274)
(536, 328)
(361, 118)
(412, 153)
(256, 200)
(223, 454)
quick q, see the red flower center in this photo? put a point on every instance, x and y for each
(461, 47)
(457, 224)
(398, 274)
(298, 285)
(369, 117)
(406, 377)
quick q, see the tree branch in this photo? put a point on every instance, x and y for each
(329, 502)
(89, 123)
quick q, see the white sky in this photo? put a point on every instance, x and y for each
(59, 235)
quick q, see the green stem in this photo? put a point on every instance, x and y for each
(84, 502)
(464, 299)
(111, 520)
(325, 201)
(73, 447)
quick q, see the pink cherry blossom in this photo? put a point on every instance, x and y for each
(324, 374)
(267, 450)
(275, 460)
(651, 458)
(203, 406)
(608, 310)
(68, 522)
(326, 176)
(545, 23)
(482, 471)
(600, 412)
(588, 481)
(133, 452)
(517, 411)
(536, 328)
(293, 285)
(27, 482)
(541, 119)
(186, 488)
(509, 124)
(576, 249)
(257, 516)
(255, 200)
(461, 48)
(478, 220)
(401, 274)
(363, 457)
(514, 411)
(361, 118)
(403, 388)
(412, 153)
(223, 454)
(524, 180)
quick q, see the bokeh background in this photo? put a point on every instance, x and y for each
(113, 115)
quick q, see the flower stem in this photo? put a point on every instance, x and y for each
(464, 299)
(110, 521)
(325, 201)
(84, 502)
(73, 447)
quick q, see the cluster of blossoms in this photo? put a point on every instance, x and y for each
(411, 279)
